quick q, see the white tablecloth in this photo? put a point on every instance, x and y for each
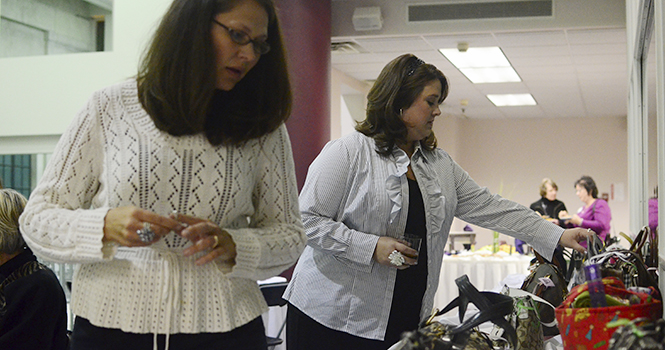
(485, 273)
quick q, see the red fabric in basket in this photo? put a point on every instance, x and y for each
(586, 328)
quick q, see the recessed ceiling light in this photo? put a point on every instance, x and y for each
(482, 64)
(512, 100)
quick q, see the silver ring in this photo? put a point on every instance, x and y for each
(146, 234)
(396, 258)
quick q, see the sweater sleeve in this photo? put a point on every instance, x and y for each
(58, 223)
(275, 238)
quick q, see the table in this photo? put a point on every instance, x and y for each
(485, 273)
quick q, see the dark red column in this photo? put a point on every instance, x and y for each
(306, 31)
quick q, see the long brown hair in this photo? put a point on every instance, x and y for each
(176, 83)
(399, 84)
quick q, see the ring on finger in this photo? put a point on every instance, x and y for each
(146, 234)
(216, 238)
(396, 258)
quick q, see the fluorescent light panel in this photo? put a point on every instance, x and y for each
(512, 100)
(482, 64)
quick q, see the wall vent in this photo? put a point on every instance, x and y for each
(479, 10)
(345, 47)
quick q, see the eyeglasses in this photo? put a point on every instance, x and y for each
(242, 38)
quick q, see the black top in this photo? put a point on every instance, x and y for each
(411, 283)
(33, 308)
(547, 207)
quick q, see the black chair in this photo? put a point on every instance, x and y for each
(273, 292)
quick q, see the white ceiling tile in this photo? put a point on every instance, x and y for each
(536, 52)
(599, 49)
(530, 39)
(596, 36)
(394, 44)
(451, 41)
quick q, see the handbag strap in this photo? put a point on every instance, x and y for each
(492, 307)
(640, 240)
(517, 292)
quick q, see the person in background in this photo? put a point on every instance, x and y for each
(176, 191)
(653, 210)
(33, 307)
(549, 208)
(357, 284)
(595, 214)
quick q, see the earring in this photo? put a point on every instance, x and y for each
(400, 112)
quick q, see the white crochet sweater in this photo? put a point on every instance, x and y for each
(112, 155)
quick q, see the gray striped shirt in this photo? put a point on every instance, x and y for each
(353, 195)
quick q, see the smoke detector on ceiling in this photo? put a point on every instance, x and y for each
(367, 18)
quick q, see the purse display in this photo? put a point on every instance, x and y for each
(494, 307)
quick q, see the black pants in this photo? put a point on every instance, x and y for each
(304, 333)
(86, 336)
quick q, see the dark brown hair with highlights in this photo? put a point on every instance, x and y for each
(588, 184)
(176, 82)
(399, 84)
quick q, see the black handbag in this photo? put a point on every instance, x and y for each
(546, 281)
(494, 307)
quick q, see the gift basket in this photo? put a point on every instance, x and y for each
(585, 326)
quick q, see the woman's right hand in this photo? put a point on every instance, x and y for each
(387, 245)
(121, 225)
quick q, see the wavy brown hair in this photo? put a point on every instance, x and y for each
(176, 80)
(399, 84)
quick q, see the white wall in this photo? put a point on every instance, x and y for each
(40, 95)
(512, 156)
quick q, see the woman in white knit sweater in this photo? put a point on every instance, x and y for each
(176, 191)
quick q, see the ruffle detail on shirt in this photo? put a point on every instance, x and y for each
(394, 184)
(437, 201)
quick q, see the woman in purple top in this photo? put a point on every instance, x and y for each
(653, 210)
(595, 214)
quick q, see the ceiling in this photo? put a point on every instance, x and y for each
(571, 70)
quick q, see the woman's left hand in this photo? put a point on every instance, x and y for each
(576, 220)
(207, 236)
(572, 236)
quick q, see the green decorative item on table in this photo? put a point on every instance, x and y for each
(495, 243)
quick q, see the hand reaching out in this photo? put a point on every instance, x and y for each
(571, 238)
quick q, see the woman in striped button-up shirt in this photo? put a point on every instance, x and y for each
(366, 190)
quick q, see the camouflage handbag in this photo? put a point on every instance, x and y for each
(547, 282)
(525, 318)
